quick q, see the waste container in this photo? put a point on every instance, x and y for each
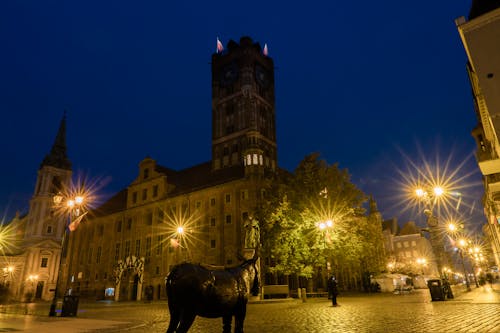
(436, 289)
(69, 306)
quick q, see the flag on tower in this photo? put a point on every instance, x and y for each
(220, 47)
(265, 51)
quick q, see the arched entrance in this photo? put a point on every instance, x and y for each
(136, 265)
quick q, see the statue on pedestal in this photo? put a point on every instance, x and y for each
(252, 233)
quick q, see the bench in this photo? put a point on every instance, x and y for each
(275, 291)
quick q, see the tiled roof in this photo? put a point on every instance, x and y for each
(187, 180)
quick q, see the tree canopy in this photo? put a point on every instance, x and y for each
(313, 214)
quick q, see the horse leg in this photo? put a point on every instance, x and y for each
(226, 324)
(239, 318)
(187, 319)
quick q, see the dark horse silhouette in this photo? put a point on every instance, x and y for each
(194, 290)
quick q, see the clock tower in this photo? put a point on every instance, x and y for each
(243, 111)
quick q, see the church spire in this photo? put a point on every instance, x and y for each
(57, 156)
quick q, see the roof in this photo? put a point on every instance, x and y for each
(480, 7)
(187, 180)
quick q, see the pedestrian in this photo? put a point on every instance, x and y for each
(333, 290)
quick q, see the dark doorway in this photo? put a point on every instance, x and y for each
(39, 290)
(134, 288)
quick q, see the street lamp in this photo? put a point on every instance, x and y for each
(462, 243)
(430, 198)
(72, 206)
(32, 278)
(422, 262)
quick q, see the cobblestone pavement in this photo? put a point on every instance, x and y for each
(477, 311)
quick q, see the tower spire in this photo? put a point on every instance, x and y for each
(57, 156)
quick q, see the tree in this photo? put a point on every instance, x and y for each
(298, 203)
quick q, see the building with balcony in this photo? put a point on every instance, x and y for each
(480, 34)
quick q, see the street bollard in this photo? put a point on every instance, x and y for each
(304, 295)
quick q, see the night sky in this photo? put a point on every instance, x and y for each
(365, 83)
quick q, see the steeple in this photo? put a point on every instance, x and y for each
(57, 156)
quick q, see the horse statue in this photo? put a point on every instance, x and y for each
(195, 290)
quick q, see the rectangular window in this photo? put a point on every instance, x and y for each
(160, 214)
(134, 197)
(146, 173)
(159, 246)
(144, 194)
(198, 204)
(413, 243)
(244, 194)
(212, 243)
(89, 257)
(148, 246)
(98, 256)
(49, 229)
(228, 198)
(127, 249)
(155, 191)
(129, 224)
(138, 248)
(117, 251)
(212, 222)
(149, 218)
(228, 219)
(44, 262)
(119, 226)
(212, 202)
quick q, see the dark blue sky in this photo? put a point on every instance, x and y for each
(360, 82)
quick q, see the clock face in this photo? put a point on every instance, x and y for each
(228, 75)
(262, 76)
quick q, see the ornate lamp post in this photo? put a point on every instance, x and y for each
(462, 243)
(72, 206)
(430, 199)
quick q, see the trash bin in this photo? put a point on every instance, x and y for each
(436, 289)
(69, 306)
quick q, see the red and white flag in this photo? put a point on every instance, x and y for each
(220, 47)
(265, 51)
(76, 222)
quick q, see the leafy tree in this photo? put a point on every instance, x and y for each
(298, 203)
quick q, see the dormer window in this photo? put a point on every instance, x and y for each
(146, 173)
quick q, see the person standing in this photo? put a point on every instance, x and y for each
(333, 290)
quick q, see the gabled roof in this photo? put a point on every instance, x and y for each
(187, 180)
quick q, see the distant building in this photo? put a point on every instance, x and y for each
(480, 36)
(35, 250)
(409, 252)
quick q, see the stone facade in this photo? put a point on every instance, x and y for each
(126, 248)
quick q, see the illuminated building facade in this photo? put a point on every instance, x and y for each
(480, 35)
(127, 247)
(35, 252)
